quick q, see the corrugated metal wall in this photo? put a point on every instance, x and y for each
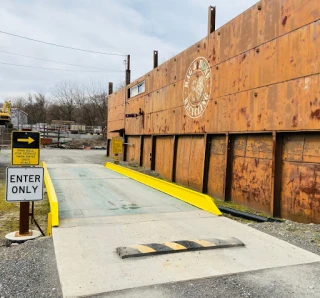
(231, 143)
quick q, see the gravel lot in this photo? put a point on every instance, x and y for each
(306, 236)
(29, 270)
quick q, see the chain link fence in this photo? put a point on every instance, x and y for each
(5, 136)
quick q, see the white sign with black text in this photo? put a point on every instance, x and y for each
(24, 184)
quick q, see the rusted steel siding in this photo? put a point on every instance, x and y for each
(163, 102)
(297, 13)
(190, 160)
(136, 124)
(133, 150)
(236, 85)
(264, 78)
(164, 156)
(252, 171)
(217, 167)
(255, 27)
(254, 59)
(250, 74)
(146, 154)
(115, 113)
(300, 191)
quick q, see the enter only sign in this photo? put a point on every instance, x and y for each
(24, 184)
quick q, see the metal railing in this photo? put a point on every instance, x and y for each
(5, 136)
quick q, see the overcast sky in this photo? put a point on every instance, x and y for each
(135, 27)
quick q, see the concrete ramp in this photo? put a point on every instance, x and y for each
(102, 210)
(93, 191)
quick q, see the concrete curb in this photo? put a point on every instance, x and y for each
(54, 207)
(189, 196)
(143, 250)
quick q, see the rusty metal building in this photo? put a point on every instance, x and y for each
(236, 115)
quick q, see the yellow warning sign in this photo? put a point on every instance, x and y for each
(116, 145)
(22, 156)
(25, 148)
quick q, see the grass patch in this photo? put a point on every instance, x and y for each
(239, 219)
(6, 207)
(237, 207)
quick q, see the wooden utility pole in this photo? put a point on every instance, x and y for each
(110, 88)
(211, 19)
(126, 95)
(128, 71)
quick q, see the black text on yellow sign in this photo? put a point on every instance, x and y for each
(116, 145)
(25, 148)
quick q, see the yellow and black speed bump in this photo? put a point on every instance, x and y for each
(142, 250)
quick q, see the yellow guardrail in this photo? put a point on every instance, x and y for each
(49, 226)
(53, 216)
(192, 197)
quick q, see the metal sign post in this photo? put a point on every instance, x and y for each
(24, 184)
(24, 220)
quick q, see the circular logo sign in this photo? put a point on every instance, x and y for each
(197, 87)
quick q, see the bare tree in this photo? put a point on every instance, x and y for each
(38, 108)
(83, 103)
(18, 102)
(53, 112)
(35, 105)
(68, 95)
(96, 104)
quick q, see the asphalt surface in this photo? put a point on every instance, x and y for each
(286, 282)
(29, 270)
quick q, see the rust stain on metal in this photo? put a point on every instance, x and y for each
(315, 114)
(284, 21)
(315, 103)
(300, 198)
(300, 194)
(259, 118)
(243, 111)
(217, 169)
(251, 183)
(295, 121)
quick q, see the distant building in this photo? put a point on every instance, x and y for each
(18, 118)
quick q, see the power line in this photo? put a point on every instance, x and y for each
(77, 65)
(38, 67)
(61, 46)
